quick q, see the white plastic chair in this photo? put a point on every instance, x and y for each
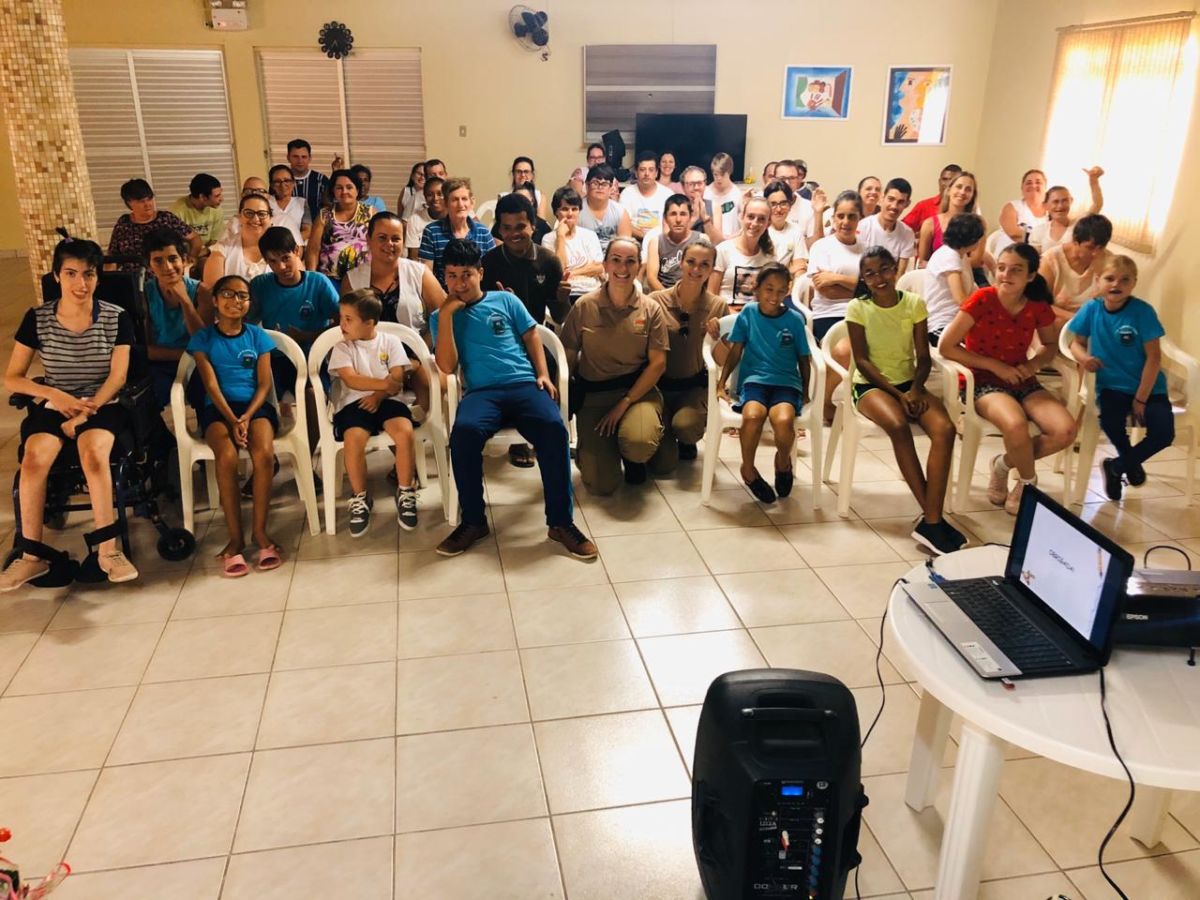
(848, 422)
(802, 293)
(913, 282)
(486, 212)
(1183, 385)
(291, 439)
(454, 385)
(432, 432)
(722, 416)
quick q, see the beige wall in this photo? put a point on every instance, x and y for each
(512, 102)
(1010, 141)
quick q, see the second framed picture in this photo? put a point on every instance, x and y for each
(917, 105)
(817, 92)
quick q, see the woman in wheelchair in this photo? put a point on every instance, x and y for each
(84, 345)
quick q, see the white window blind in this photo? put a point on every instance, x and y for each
(1120, 98)
(367, 108)
(161, 115)
(622, 80)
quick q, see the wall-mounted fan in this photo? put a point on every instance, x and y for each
(529, 28)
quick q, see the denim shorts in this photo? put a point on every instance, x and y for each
(1017, 392)
(770, 395)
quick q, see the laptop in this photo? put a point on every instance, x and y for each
(1052, 612)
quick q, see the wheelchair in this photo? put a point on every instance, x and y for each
(140, 463)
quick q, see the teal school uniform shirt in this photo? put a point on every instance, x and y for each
(488, 336)
(772, 347)
(310, 305)
(234, 359)
(1118, 340)
(170, 330)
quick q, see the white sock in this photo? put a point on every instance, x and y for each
(1032, 480)
(1000, 465)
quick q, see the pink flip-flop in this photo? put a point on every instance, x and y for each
(234, 566)
(268, 558)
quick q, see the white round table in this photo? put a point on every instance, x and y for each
(1153, 703)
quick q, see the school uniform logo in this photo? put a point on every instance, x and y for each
(306, 311)
(539, 277)
(498, 325)
(248, 359)
(384, 357)
(1127, 335)
(785, 338)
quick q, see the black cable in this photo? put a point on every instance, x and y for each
(1132, 791)
(1146, 556)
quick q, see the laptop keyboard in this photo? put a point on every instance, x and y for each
(1009, 629)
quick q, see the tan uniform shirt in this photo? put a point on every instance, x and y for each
(612, 342)
(686, 330)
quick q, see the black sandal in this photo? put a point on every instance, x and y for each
(521, 456)
(761, 490)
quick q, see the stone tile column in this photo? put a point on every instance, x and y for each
(38, 93)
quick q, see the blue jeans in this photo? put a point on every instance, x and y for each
(537, 417)
(1115, 407)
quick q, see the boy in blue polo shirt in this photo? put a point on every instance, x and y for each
(1117, 337)
(299, 303)
(495, 340)
(171, 300)
(769, 344)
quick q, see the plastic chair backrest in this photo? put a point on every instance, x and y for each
(913, 282)
(486, 212)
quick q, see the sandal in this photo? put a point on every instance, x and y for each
(268, 558)
(521, 456)
(234, 566)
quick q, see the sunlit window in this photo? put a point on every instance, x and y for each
(1121, 98)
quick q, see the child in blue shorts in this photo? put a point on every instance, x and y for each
(368, 375)
(234, 361)
(768, 342)
(1117, 337)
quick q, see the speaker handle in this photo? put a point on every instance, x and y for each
(787, 714)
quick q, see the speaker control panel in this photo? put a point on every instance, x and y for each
(792, 842)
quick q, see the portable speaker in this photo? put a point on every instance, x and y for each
(776, 793)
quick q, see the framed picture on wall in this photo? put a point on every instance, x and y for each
(917, 105)
(817, 92)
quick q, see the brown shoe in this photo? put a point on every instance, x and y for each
(577, 543)
(461, 539)
(20, 572)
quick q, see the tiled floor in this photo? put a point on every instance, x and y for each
(384, 723)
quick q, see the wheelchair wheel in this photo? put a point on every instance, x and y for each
(176, 544)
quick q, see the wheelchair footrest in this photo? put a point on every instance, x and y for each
(63, 569)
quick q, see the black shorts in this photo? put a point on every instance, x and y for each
(354, 416)
(859, 390)
(820, 327)
(41, 419)
(207, 414)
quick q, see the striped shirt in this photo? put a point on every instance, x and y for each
(438, 234)
(76, 362)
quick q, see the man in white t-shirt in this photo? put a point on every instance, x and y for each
(644, 200)
(725, 195)
(694, 181)
(801, 212)
(884, 229)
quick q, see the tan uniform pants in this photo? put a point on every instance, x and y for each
(685, 416)
(636, 439)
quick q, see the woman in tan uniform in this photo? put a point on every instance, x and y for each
(688, 307)
(616, 343)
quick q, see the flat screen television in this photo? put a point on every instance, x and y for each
(694, 139)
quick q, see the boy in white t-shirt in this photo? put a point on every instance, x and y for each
(725, 195)
(884, 229)
(368, 375)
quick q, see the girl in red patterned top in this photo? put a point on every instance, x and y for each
(992, 335)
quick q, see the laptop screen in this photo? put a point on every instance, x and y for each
(1073, 571)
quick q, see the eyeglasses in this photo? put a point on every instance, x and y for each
(262, 215)
(279, 182)
(779, 204)
(227, 294)
(600, 182)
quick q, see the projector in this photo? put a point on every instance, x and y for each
(1161, 609)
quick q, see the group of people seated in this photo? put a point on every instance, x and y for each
(633, 282)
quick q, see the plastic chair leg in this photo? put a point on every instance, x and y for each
(849, 431)
(835, 433)
(966, 468)
(210, 477)
(817, 460)
(1190, 483)
(329, 486)
(187, 495)
(712, 448)
(1088, 437)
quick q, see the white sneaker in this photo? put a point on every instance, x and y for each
(997, 488)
